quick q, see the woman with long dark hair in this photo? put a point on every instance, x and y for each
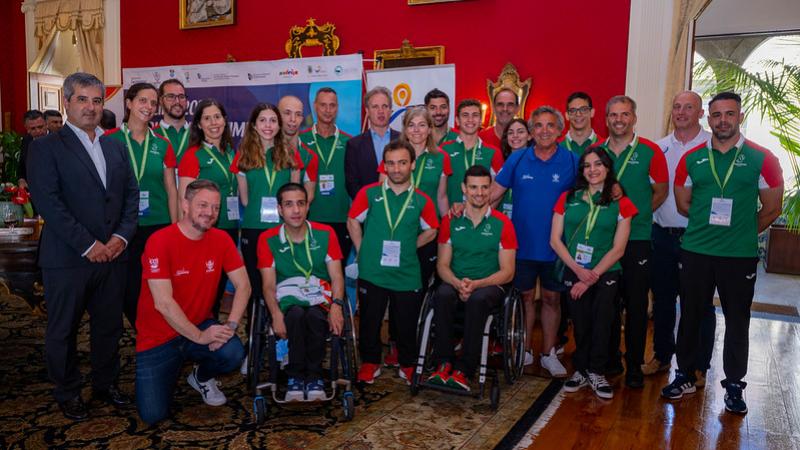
(515, 137)
(153, 161)
(589, 234)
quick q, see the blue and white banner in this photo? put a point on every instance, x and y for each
(240, 86)
(409, 85)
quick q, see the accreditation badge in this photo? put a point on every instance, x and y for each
(583, 254)
(508, 209)
(390, 255)
(269, 210)
(144, 203)
(326, 184)
(232, 204)
(721, 211)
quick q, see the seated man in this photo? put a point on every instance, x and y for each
(182, 267)
(305, 260)
(476, 258)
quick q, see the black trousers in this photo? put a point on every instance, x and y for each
(306, 329)
(632, 296)
(477, 309)
(250, 256)
(69, 292)
(223, 281)
(133, 280)
(592, 316)
(403, 305)
(735, 280)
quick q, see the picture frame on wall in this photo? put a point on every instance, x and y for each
(206, 13)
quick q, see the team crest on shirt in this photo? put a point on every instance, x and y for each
(313, 245)
(154, 149)
(634, 158)
(153, 265)
(556, 178)
(429, 164)
(209, 266)
(487, 230)
(740, 161)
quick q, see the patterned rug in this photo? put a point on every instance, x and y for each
(387, 416)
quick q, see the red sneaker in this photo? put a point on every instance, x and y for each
(390, 360)
(458, 380)
(406, 373)
(441, 375)
(369, 372)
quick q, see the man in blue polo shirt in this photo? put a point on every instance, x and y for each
(538, 175)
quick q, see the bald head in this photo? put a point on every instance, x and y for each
(687, 110)
(291, 109)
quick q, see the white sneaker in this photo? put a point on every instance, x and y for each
(600, 386)
(208, 389)
(243, 369)
(553, 365)
(528, 358)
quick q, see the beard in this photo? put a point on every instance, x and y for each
(176, 116)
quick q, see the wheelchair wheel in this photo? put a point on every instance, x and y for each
(348, 405)
(255, 354)
(514, 336)
(260, 409)
(349, 352)
(425, 343)
(494, 395)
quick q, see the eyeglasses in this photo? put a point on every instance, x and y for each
(581, 110)
(173, 97)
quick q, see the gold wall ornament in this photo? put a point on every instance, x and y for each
(206, 13)
(509, 79)
(311, 35)
(408, 55)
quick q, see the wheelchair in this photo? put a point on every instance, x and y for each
(263, 367)
(505, 324)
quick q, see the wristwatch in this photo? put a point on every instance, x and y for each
(338, 301)
(232, 325)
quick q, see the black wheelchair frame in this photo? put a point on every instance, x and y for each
(262, 337)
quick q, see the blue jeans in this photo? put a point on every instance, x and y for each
(157, 370)
(665, 284)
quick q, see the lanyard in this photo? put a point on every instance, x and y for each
(270, 178)
(420, 167)
(138, 171)
(225, 171)
(633, 146)
(306, 273)
(319, 150)
(727, 175)
(474, 151)
(180, 149)
(393, 226)
(591, 218)
(568, 141)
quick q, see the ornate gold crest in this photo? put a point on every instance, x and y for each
(509, 79)
(310, 35)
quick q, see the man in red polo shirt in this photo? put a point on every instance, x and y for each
(505, 106)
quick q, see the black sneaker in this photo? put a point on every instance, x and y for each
(634, 379)
(733, 398)
(680, 385)
(576, 382)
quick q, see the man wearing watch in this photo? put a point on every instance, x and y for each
(303, 284)
(182, 265)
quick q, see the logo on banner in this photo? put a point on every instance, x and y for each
(289, 73)
(187, 76)
(338, 70)
(172, 73)
(157, 77)
(402, 94)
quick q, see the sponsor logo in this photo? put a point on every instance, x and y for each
(209, 266)
(701, 161)
(338, 70)
(187, 76)
(460, 228)
(401, 94)
(379, 198)
(751, 276)
(157, 77)
(153, 265)
(642, 262)
(527, 176)
(454, 154)
(611, 282)
(181, 272)
(284, 249)
(291, 72)
(172, 73)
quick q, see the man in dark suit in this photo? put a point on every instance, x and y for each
(364, 151)
(85, 189)
(35, 127)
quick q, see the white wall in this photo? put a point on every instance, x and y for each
(748, 16)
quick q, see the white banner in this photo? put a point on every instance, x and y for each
(409, 85)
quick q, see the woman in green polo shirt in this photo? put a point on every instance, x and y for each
(589, 234)
(153, 162)
(264, 164)
(515, 137)
(204, 158)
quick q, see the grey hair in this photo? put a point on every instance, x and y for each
(84, 80)
(548, 110)
(375, 91)
(620, 99)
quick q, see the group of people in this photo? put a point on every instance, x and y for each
(152, 221)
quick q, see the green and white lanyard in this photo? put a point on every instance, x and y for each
(591, 218)
(393, 225)
(225, 170)
(306, 273)
(270, 177)
(474, 151)
(138, 171)
(421, 167)
(319, 150)
(727, 175)
(633, 146)
(180, 149)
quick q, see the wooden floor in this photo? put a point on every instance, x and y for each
(637, 419)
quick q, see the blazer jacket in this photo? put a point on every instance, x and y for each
(360, 163)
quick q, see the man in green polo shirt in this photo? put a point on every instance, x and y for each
(328, 142)
(641, 169)
(718, 186)
(291, 109)
(437, 103)
(397, 219)
(300, 265)
(468, 149)
(476, 259)
(173, 126)
(580, 113)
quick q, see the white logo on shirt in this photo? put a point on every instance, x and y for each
(459, 228)
(556, 178)
(153, 265)
(210, 161)
(527, 176)
(209, 266)
(454, 154)
(751, 276)
(181, 271)
(379, 199)
(284, 249)
(701, 161)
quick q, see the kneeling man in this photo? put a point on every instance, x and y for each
(476, 260)
(301, 270)
(183, 264)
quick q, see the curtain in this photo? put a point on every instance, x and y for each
(84, 18)
(684, 15)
